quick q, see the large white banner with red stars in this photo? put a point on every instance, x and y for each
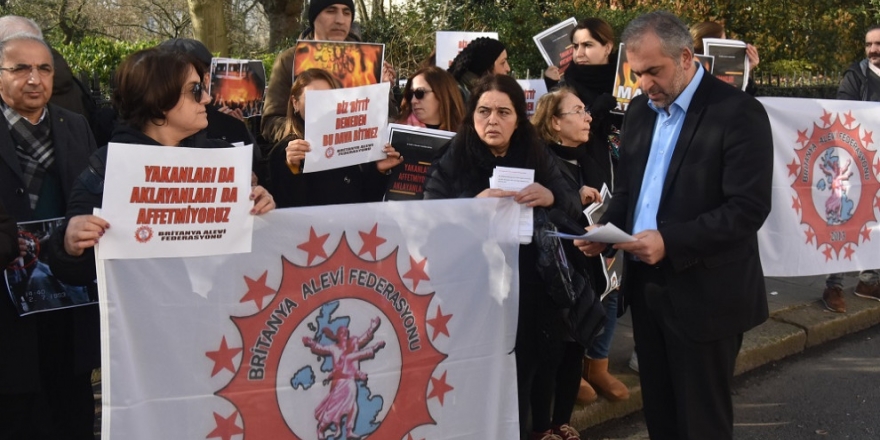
(826, 192)
(381, 321)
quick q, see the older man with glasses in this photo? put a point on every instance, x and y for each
(45, 370)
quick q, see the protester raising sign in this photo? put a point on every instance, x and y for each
(349, 321)
(345, 126)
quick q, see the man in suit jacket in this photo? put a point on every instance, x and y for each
(694, 188)
(47, 358)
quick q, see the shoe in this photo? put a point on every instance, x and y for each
(634, 362)
(596, 373)
(832, 297)
(567, 432)
(868, 290)
(548, 435)
(586, 394)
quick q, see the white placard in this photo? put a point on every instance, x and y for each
(345, 126)
(534, 89)
(450, 43)
(176, 202)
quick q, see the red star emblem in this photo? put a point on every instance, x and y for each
(866, 234)
(417, 272)
(827, 252)
(257, 290)
(826, 118)
(439, 322)
(796, 205)
(849, 119)
(372, 241)
(868, 138)
(223, 357)
(877, 168)
(810, 235)
(315, 246)
(226, 427)
(848, 250)
(439, 388)
(793, 167)
(802, 137)
(877, 202)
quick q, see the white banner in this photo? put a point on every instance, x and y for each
(825, 187)
(381, 320)
(450, 43)
(176, 202)
(345, 126)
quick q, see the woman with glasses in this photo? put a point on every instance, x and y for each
(496, 132)
(161, 100)
(291, 187)
(591, 77)
(563, 121)
(431, 99)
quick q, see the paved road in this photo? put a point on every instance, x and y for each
(828, 392)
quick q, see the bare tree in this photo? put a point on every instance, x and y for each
(209, 24)
(284, 20)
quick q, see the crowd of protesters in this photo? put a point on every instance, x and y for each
(692, 277)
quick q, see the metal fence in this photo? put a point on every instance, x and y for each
(806, 84)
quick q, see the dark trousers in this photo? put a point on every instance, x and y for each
(568, 380)
(686, 384)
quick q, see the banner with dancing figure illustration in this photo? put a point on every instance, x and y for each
(826, 192)
(370, 321)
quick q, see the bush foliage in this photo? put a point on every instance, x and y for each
(793, 35)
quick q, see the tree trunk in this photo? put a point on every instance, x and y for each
(209, 24)
(284, 21)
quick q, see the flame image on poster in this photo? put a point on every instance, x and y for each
(354, 64)
(238, 84)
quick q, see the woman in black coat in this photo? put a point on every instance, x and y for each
(496, 132)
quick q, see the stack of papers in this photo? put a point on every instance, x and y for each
(515, 179)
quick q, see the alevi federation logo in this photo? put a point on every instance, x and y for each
(341, 351)
(835, 181)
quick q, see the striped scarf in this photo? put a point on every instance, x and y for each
(33, 146)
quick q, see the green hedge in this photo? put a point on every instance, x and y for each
(99, 55)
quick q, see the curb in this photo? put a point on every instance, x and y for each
(788, 331)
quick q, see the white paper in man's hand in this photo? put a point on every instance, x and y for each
(607, 233)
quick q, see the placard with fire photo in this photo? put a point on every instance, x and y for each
(626, 84)
(238, 85)
(353, 63)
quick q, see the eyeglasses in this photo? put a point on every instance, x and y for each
(21, 71)
(417, 93)
(582, 112)
(197, 90)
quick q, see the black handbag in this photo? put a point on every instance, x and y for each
(563, 269)
(560, 278)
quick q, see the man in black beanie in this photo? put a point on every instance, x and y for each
(329, 20)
